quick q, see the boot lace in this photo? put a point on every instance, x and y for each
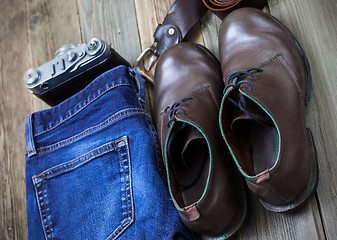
(176, 107)
(242, 103)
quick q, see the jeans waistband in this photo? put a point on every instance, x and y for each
(43, 121)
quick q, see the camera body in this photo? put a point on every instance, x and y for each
(73, 68)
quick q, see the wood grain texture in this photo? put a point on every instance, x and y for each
(51, 24)
(264, 225)
(114, 22)
(30, 34)
(15, 106)
(304, 223)
(314, 24)
(146, 23)
(210, 25)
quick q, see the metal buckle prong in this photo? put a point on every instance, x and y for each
(148, 51)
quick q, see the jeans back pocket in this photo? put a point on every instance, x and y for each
(89, 197)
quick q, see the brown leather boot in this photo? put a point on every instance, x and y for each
(207, 193)
(267, 84)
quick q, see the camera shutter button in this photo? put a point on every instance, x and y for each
(94, 46)
(71, 56)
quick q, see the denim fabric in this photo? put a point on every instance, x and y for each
(92, 167)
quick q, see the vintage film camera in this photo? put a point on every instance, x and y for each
(73, 68)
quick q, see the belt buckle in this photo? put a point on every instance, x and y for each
(145, 62)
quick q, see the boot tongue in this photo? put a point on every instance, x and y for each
(253, 113)
(192, 137)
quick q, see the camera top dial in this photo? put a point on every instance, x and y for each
(70, 61)
(64, 49)
(94, 46)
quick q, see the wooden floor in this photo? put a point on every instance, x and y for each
(32, 30)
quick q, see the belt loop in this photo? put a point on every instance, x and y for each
(31, 151)
(140, 84)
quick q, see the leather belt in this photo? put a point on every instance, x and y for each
(218, 5)
(181, 17)
(221, 8)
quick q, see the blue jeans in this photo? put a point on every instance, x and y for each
(92, 167)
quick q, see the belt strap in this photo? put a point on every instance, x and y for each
(218, 5)
(221, 8)
(181, 17)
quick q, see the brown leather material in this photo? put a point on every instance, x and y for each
(192, 213)
(222, 8)
(184, 14)
(248, 38)
(183, 70)
(181, 17)
(263, 177)
(217, 5)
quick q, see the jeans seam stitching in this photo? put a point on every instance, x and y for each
(84, 106)
(156, 144)
(117, 231)
(154, 139)
(125, 184)
(129, 220)
(66, 142)
(128, 192)
(91, 129)
(45, 209)
(76, 159)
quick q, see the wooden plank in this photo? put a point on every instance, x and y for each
(112, 21)
(210, 25)
(37, 31)
(115, 22)
(161, 8)
(15, 106)
(147, 21)
(314, 24)
(302, 224)
(51, 24)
